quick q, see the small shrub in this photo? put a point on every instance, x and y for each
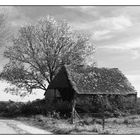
(40, 118)
(126, 121)
(133, 117)
(105, 132)
(115, 121)
(56, 115)
(88, 121)
(98, 121)
(95, 130)
(60, 131)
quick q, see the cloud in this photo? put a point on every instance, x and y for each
(135, 54)
(114, 23)
(132, 47)
(97, 12)
(104, 28)
(88, 18)
(135, 80)
(101, 35)
(81, 8)
(110, 23)
(126, 45)
(15, 17)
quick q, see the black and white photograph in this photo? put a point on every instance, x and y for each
(70, 70)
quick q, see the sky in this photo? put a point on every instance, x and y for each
(115, 31)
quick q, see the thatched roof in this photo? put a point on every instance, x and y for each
(93, 80)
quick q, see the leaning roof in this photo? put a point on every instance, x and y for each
(93, 80)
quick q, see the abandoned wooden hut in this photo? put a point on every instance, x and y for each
(80, 86)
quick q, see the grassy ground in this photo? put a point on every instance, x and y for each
(61, 126)
(122, 125)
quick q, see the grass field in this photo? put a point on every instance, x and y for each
(121, 125)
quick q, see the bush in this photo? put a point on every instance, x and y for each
(15, 109)
(10, 109)
(126, 121)
(105, 132)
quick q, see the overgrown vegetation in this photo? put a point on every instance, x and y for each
(35, 113)
(89, 125)
(40, 107)
(13, 109)
(62, 126)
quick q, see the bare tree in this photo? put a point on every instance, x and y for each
(39, 51)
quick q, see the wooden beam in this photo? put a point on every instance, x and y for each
(136, 103)
(73, 109)
(103, 111)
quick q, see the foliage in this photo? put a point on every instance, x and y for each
(138, 106)
(107, 105)
(14, 109)
(33, 108)
(14, 90)
(10, 109)
(38, 52)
